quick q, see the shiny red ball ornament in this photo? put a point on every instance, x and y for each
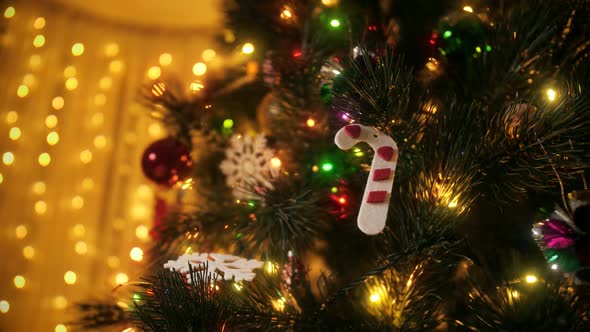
(166, 162)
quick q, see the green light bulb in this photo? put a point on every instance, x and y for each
(228, 123)
(335, 23)
(326, 167)
(447, 34)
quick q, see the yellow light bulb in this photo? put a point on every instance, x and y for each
(22, 91)
(310, 122)
(551, 94)
(70, 277)
(142, 232)
(97, 119)
(374, 297)
(51, 121)
(121, 278)
(70, 71)
(59, 302)
(77, 49)
(71, 83)
(9, 12)
(100, 142)
(208, 55)
(116, 66)
(4, 306)
(77, 202)
(275, 162)
(286, 14)
(79, 230)
(29, 79)
(11, 117)
(40, 207)
(29, 252)
(136, 254)
(87, 184)
(39, 41)
(8, 158)
(44, 159)
(21, 232)
(468, 9)
(155, 130)
(39, 187)
(14, 133)
(19, 281)
(248, 48)
(531, 279)
(111, 50)
(61, 328)
(57, 103)
(100, 99)
(81, 248)
(330, 3)
(154, 73)
(199, 69)
(86, 156)
(52, 138)
(165, 59)
(35, 61)
(39, 23)
(105, 83)
(1, 178)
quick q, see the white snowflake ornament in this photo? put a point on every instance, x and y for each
(219, 265)
(248, 165)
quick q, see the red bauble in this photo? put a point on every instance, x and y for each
(166, 162)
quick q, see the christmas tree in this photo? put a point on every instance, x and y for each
(379, 167)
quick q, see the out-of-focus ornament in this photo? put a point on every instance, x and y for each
(166, 161)
(266, 112)
(563, 237)
(373, 212)
(461, 33)
(247, 167)
(518, 118)
(227, 267)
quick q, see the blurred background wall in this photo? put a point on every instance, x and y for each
(74, 208)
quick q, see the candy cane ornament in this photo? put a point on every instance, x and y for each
(373, 212)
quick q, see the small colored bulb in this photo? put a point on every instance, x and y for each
(327, 167)
(468, 9)
(228, 123)
(310, 122)
(447, 34)
(78, 49)
(136, 254)
(70, 277)
(4, 306)
(335, 23)
(551, 94)
(375, 298)
(9, 12)
(199, 69)
(531, 279)
(248, 48)
(19, 281)
(275, 162)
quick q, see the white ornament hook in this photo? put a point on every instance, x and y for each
(373, 212)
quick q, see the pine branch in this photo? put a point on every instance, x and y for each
(168, 303)
(287, 218)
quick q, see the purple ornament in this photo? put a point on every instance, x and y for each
(166, 162)
(557, 234)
